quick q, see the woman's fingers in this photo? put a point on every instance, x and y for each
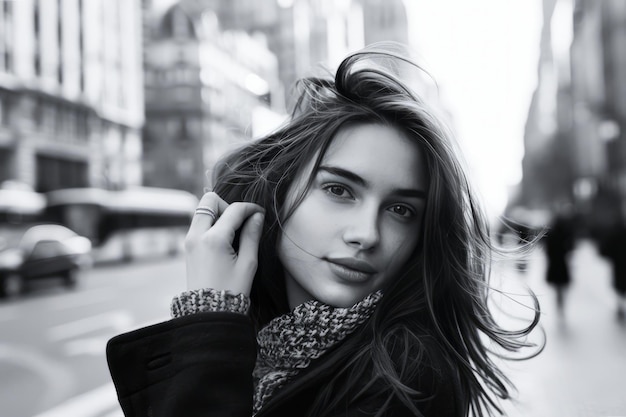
(202, 221)
(233, 219)
(211, 259)
(249, 241)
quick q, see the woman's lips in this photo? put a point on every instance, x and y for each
(351, 269)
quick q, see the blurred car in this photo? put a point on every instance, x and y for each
(40, 251)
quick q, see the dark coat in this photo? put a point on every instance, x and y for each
(559, 243)
(614, 249)
(201, 365)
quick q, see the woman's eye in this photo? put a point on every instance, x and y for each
(337, 190)
(401, 210)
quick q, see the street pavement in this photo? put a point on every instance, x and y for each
(582, 370)
(52, 342)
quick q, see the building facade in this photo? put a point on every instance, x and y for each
(215, 70)
(71, 93)
(575, 143)
(207, 91)
(385, 21)
(302, 34)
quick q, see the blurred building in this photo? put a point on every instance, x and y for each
(385, 21)
(547, 145)
(215, 70)
(207, 90)
(301, 33)
(71, 96)
(575, 143)
(304, 34)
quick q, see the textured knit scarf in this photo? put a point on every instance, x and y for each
(290, 342)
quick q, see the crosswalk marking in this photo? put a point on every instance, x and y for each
(117, 320)
(80, 299)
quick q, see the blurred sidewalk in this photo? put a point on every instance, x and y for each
(582, 371)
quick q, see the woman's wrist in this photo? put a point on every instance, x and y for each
(209, 300)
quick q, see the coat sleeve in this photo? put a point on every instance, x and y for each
(196, 365)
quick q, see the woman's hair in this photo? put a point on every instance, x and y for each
(442, 294)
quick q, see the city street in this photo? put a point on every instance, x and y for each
(52, 341)
(52, 346)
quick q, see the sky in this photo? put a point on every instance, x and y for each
(483, 54)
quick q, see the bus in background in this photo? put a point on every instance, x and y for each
(19, 203)
(124, 225)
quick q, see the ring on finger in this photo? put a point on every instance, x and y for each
(208, 211)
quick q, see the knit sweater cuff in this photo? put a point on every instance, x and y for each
(208, 299)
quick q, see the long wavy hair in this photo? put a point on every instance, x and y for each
(442, 293)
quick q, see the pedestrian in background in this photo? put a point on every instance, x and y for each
(613, 247)
(339, 268)
(559, 243)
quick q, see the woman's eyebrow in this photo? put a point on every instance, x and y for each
(357, 179)
(349, 175)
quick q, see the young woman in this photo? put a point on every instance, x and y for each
(339, 268)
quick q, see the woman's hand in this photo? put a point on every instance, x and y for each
(212, 262)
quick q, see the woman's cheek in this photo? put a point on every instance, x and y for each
(404, 246)
(309, 223)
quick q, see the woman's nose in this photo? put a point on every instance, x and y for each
(363, 229)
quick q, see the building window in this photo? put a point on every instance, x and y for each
(6, 36)
(5, 109)
(82, 126)
(36, 24)
(81, 45)
(54, 173)
(8, 61)
(71, 122)
(37, 64)
(59, 124)
(5, 165)
(38, 112)
(121, 95)
(181, 26)
(36, 18)
(48, 112)
(148, 139)
(183, 134)
(148, 77)
(60, 40)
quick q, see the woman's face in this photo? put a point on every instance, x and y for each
(359, 222)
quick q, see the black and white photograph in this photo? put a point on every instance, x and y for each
(312, 208)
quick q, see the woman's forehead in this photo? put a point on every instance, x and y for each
(376, 151)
